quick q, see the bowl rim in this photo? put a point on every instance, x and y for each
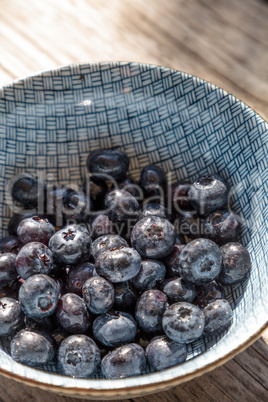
(160, 385)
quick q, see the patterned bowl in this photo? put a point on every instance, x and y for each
(49, 122)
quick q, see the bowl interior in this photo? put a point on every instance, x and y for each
(50, 122)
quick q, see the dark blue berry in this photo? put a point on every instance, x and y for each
(95, 190)
(78, 356)
(72, 313)
(218, 316)
(200, 261)
(118, 265)
(106, 243)
(179, 193)
(236, 263)
(222, 227)
(35, 229)
(98, 294)
(77, 206)
(208, 193)
(78, 275)
(101, 225)
(163, 353)
(172, 261)
(71, 245)
(208, 293)
(125, 297)
(153, 181)
(32, 348)
(34, 258)
(153, 237)
(16, 220)
(183, 322)
(11, 317)
(114, 329)
(177, 290)
(108, 162)
(10, 244)
(8, 271)
(27, 190)
(121, 205)
(153, 209)
(125, 361)
(132, 186)
(150, 308)
(191, 225)
(152, 273)
(39, 296)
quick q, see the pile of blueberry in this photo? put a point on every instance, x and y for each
(126, 281)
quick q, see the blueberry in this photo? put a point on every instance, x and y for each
(77, 206)
(218, 316)
(125, 361)
(132, 186)
(27, 190)
(70, 245)
(183, 322)
(125, 297)
(172, 261)
(16, 220)
(10, 244)
(200, 261)
(72, 314)
(150, 308)
(108, 162)
(11, 317)
(114, 329)
(208, 193)
(78, 357)
(32, 348)
(153, 181)
(163, 353)
(98, 294)
(180, 198)
(118, 265)
(177, 290)
(208, 293)
(35, 229)
(121, 206)
(106, 243)
(56, 197)
(78, 275)
(95, 190)
(34, 258)
(153, 209)
(151, 273)
(8, 271)
(191, 225)
(39, 296)
(101, 225)
(153, 237)
(222, 227)
(236, 263)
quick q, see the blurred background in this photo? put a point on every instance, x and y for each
(222, 41)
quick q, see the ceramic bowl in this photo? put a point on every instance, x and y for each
(50, 121)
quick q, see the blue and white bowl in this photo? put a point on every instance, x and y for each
(48, 124)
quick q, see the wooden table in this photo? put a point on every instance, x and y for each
(223, 41)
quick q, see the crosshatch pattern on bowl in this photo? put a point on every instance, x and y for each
(50, 122)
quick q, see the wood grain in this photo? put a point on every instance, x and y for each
(223, 41)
